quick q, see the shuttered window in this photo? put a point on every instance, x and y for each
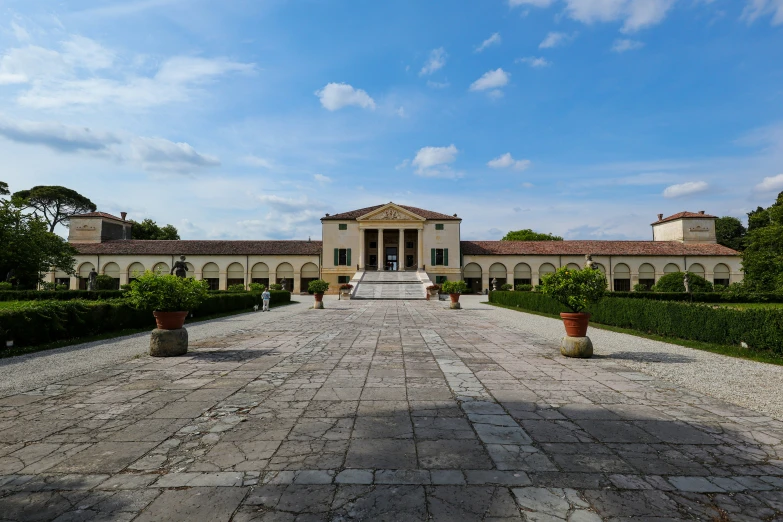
(342, 257)
(342, 226)
(439, 256)
(439, 226)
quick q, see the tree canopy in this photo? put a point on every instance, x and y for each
(730, 232)
(54, 204)
(529, 235)
(4, 188)
(29, 249)
(762, 259)
(148, 229)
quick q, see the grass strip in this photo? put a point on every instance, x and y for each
(23, 350)
(731, 351)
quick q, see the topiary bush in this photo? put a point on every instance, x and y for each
(236, 288)
(6, 286)
(167, 293)
(575, 289)
(318, 286)
(104, 282)
(276, 286)
(524, 288)
(638, 287)
(674, 283)
(454, 287)
(506, 287)
(257, 287)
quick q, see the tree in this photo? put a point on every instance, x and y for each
(148, 229)
(730, 232)
(4, 188)
(54, 204)
(762, 259)
(29, 248)
(675, 282)
(529, 235)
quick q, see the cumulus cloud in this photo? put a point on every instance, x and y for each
(555, 39)
(771, 184)
(635, 14)
(436, 61)
(63, 138)
(256, 161)
(435, 161)
(534, 62)
(320, 178)
(506, 161)
(685, 189)
(489, 42)
(622, 45)
(335, 96)
(290, 205)
(758, 8)
(491, 80)
(20, 32)
(164, 155)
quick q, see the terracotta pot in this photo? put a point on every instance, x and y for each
(575, 324)
(319, 298)
(454, 298)
(170, 320)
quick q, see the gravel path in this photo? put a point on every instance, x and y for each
(751, 384)
(27, 372)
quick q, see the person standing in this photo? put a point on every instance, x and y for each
(266, 296)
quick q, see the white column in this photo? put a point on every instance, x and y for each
(361, 249)
(381, 251)
(401, 251)
(420, 250)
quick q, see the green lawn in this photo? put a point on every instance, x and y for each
(747, 306)
(15, 305)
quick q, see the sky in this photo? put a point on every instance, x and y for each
(252, 119)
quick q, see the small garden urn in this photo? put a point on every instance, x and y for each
(317, 288)
(345, 291)
(454, 289)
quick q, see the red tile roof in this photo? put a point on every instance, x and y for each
(681, 215)
(598, 248)
(426, 214)
(98, 214)
(201, 247)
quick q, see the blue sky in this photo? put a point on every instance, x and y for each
(252, 119)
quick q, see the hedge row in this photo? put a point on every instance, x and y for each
(53, 321)
(761, 329)
(704, 297)
(57, 295)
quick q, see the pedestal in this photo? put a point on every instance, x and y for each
(168, 343)
(319, 305)
(455, 306)
(578, 347)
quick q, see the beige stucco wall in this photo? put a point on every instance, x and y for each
(690, 230)
(449, 238)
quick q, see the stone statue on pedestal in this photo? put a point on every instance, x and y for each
(686, 280)
(92, 279)
(180, 268)
(589, 263)
(494, 285)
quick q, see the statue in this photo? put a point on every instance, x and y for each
(91, 280)
(589, 263)
(283, 283)
(494, 285)
(9, 278)
(686, 280)
(180, 268)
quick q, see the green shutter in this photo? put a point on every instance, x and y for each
(445, 257)
(336, 257)
(348, 258)
(432, 251)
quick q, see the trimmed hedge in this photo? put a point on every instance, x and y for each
(53, 321)
(58, 295)
(703, 297)
(761, 329)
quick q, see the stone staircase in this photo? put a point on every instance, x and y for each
(390, 285)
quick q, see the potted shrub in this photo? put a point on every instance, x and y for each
(576, 289)
(506, 287)
(454, 289)
(432, 290)
(169, 297)
(317, 288)
(345, 289)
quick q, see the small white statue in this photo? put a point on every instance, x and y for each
(589, 263)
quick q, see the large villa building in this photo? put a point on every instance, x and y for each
(398, 245)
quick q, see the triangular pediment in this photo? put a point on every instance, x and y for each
(390, 212)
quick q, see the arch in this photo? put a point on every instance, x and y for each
(135, 270)
(112, 270)
(697, 269)
(310, 271)
(623, 270)
(546, 268)
(259, 271)
(161, 268)
(235, 271)
(671, 268)
(622, 278)
(191, 270)
(498, 271)
(284, 270)
(721, 275)
(573, 266)
(522, 271)
(646, 271)
(472, 271)
(85, 269)
(210, 271)
(600, 268)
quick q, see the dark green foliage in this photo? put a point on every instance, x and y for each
(640, 288)
(529, 235)
(524, 288)
(50, 321)
(318, 286)
(730, 232)
(236, 288)
(53, 204)
(506, 287)
(167, 293)
(762, 259)
(454, 287)
(149, 230)
(257, 287)
(576, 289)
(104, 282)
(674, 282)
(761, 329)
(4, 189)
(58, 295)
(727, 296)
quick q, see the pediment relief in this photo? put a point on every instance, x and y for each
(390, 212)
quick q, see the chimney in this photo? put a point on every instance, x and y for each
(660, 217)
(701, 212)
(123, 215)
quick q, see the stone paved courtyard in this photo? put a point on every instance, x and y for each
(380, 411)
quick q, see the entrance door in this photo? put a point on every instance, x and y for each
(391, 258)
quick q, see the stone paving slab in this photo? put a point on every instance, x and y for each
(381, 411)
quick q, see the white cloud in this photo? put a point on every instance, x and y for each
(758, 8)
(335, 96)
(506, 161)
(165, 155)
(400, 111)
(20, 32)
(290, 205)
(63, 138)
(434, 161)
(685, 189)
(489, 42)
(491, 80)
(79, 51)
(555, 39)
(320, 178)
(635, 14)
(256, 161)
(770, 184)
(622, 45)
(437, 85)
(436, 61)
(534, 62)
(534, 3)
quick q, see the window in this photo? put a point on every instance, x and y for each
(648, 283)
(439, 226)
(439, 257)
(373, 244)
(342, 257)
(214, 283)
(342, 226)
(622, 285)
(409, 244)
(234, 281)
(341, 280)
(439, 280)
